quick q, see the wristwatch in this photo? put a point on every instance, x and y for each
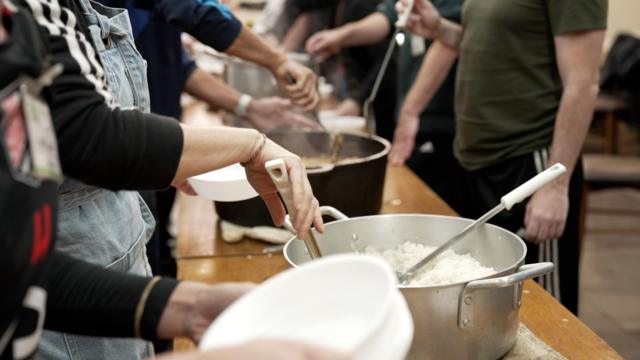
(243, 105)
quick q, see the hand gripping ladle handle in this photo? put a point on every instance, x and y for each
(277, 170)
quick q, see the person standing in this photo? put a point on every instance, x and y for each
(361, 63)
(44, 289)
(433, 157)
(156, 29)
(101, 225)
(526, 86)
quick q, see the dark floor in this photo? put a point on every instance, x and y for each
(610, 279)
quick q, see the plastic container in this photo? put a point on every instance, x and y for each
(350, 124)
(362, 314)
(227, 184)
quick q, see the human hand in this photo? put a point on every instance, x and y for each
(193, 306)
(325, 44)
(299, 83)
(306, 208)
(546, 213)
(186, 188)
(264, 349)
(404, 138)
(272, 112)
(424, 19)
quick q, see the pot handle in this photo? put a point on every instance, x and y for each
(524, 272)
(324, 210)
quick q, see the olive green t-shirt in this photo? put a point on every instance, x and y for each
(438, 117)
(508, 88)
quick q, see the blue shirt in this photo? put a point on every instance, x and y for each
(157, 26)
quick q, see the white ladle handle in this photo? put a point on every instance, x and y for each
(525, 190)
(404, 17)
(278, 172)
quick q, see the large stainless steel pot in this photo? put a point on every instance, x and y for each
(354, 187)
(257, 81)
(472, 320)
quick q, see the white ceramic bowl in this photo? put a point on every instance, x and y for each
(346, 302)
(350, 124)
(227, 184)
(393, 340)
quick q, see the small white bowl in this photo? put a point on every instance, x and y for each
(227, 184)
(350, 124)
(348, 303)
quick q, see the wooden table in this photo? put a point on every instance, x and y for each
(203, 256)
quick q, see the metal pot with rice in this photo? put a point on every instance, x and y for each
(472, 317)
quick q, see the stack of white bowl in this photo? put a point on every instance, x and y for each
(349, 303)
(338, 123)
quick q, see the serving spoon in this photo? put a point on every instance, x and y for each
(506, 202)
(400, 25)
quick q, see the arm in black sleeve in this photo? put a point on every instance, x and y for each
(356, 86)
(90, 300)
(362, 62)
(310, 5)
(100, 144)
(209, 21)
(109, 147)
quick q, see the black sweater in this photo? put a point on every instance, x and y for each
(99, 145)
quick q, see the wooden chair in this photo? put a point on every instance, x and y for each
(609, 108)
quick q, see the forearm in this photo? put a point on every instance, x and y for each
(297, 33)
(252, 48)
(210, 148)
(133, 151)
(448, 33)
(90, 300)
(571, 127)
(212, 90)
(434, 70)
(3, 32)
(578, 58)
(369, 30)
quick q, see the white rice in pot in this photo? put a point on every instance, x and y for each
(448, 268)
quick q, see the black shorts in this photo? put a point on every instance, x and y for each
(433, 161)
(480, 190)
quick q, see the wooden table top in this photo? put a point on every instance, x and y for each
(203, 256)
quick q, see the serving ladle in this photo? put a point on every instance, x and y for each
(506, 202)
(368, 112)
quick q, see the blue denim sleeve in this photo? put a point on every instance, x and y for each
(208, 21)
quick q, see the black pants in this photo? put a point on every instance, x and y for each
(433, 161)
(481, 190)
(158, 249)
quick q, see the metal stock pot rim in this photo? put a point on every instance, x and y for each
(500, 272)
(382, 153)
